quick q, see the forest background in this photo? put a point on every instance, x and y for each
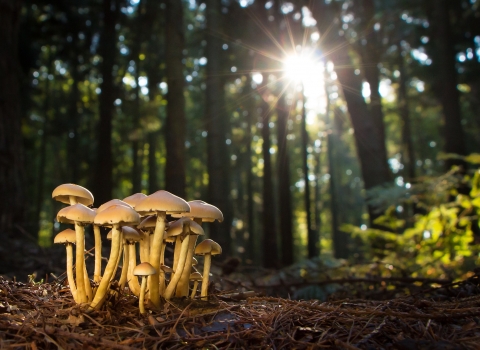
(328, 129)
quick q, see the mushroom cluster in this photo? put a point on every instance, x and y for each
(138, 223)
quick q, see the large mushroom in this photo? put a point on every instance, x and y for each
(207, 248)
(159, 203)
(68, 238)
(115, 216)
(200, 212)
(80, 215)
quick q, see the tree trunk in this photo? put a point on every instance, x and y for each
(270, 242)
(11, 147)
(218, 163)
(104, 170)
(175, 126)
(449, 96)
(284, 194)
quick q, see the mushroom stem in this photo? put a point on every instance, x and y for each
(145, 247)
(194, 290)
(97, 272)
(176, 252)
(182, 288)
(132, 279)
(109, 269)
(71, 280)
(181, 263)
(206, 273)
(125, 265)
(80, 262)
(155, 249)
(120, 248)
(141, 301)
(87, 285)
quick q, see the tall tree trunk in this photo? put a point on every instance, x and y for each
(370, 146)
(284, 194)
(11, 147)
(218, 164)
(249, 176)
(73, 156)
(104, 169)
(270, 242)
(313, 243)
(449, 95)
(175, 126)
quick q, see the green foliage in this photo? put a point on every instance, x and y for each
(440, 241)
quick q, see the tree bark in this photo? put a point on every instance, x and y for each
(11, 147)
(175, 126)
(449, 95)
(104, 169)
(218, 163)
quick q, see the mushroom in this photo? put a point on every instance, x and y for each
(159, 203)
(72, 194)
(116, 216)
(130, 236)
(134, 199)
(207, 248)
(147, 226)
(144, 269)
(195, 277)
(200, 212)
(67, 237)
(80, 215)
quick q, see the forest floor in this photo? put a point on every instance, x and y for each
(273, 310)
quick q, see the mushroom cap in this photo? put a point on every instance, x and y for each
(63, 192)
(129, 234)
(117, 215)
(196, 276)
(202, 210)
(112, 202)
(208, 246)
(166, 268)
(144, 269)
(176, 227)
(162, 201)
(134, 199)
(66, 236)
(194, 261)
(76, 213)
(148, 224)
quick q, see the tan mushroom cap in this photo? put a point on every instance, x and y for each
(166, 268)
(117, 215)
(202, 210)
(144, 269)
(208, 247)
(63, 192)
(76, 213)
(112, 202)
(66, 236)
(134, 199)
(176, 227)
(162, 201)
(129, 234)
(148, 224)
(196, 276)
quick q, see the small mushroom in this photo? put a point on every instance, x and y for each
(207, 248)
(67, 237)
(195, 277)
(144, 269)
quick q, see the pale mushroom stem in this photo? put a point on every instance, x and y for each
(182, 287)
(145, 247)
(80, 263)
(181, 263)
(120, 248)
(155, 249)
(87, 285)
(206, 273)
(71, 280)
(176, 252)
(132, 279)
(194, 290)
(125, 265)
(109, 269)
(97, 272)
(141, 300)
